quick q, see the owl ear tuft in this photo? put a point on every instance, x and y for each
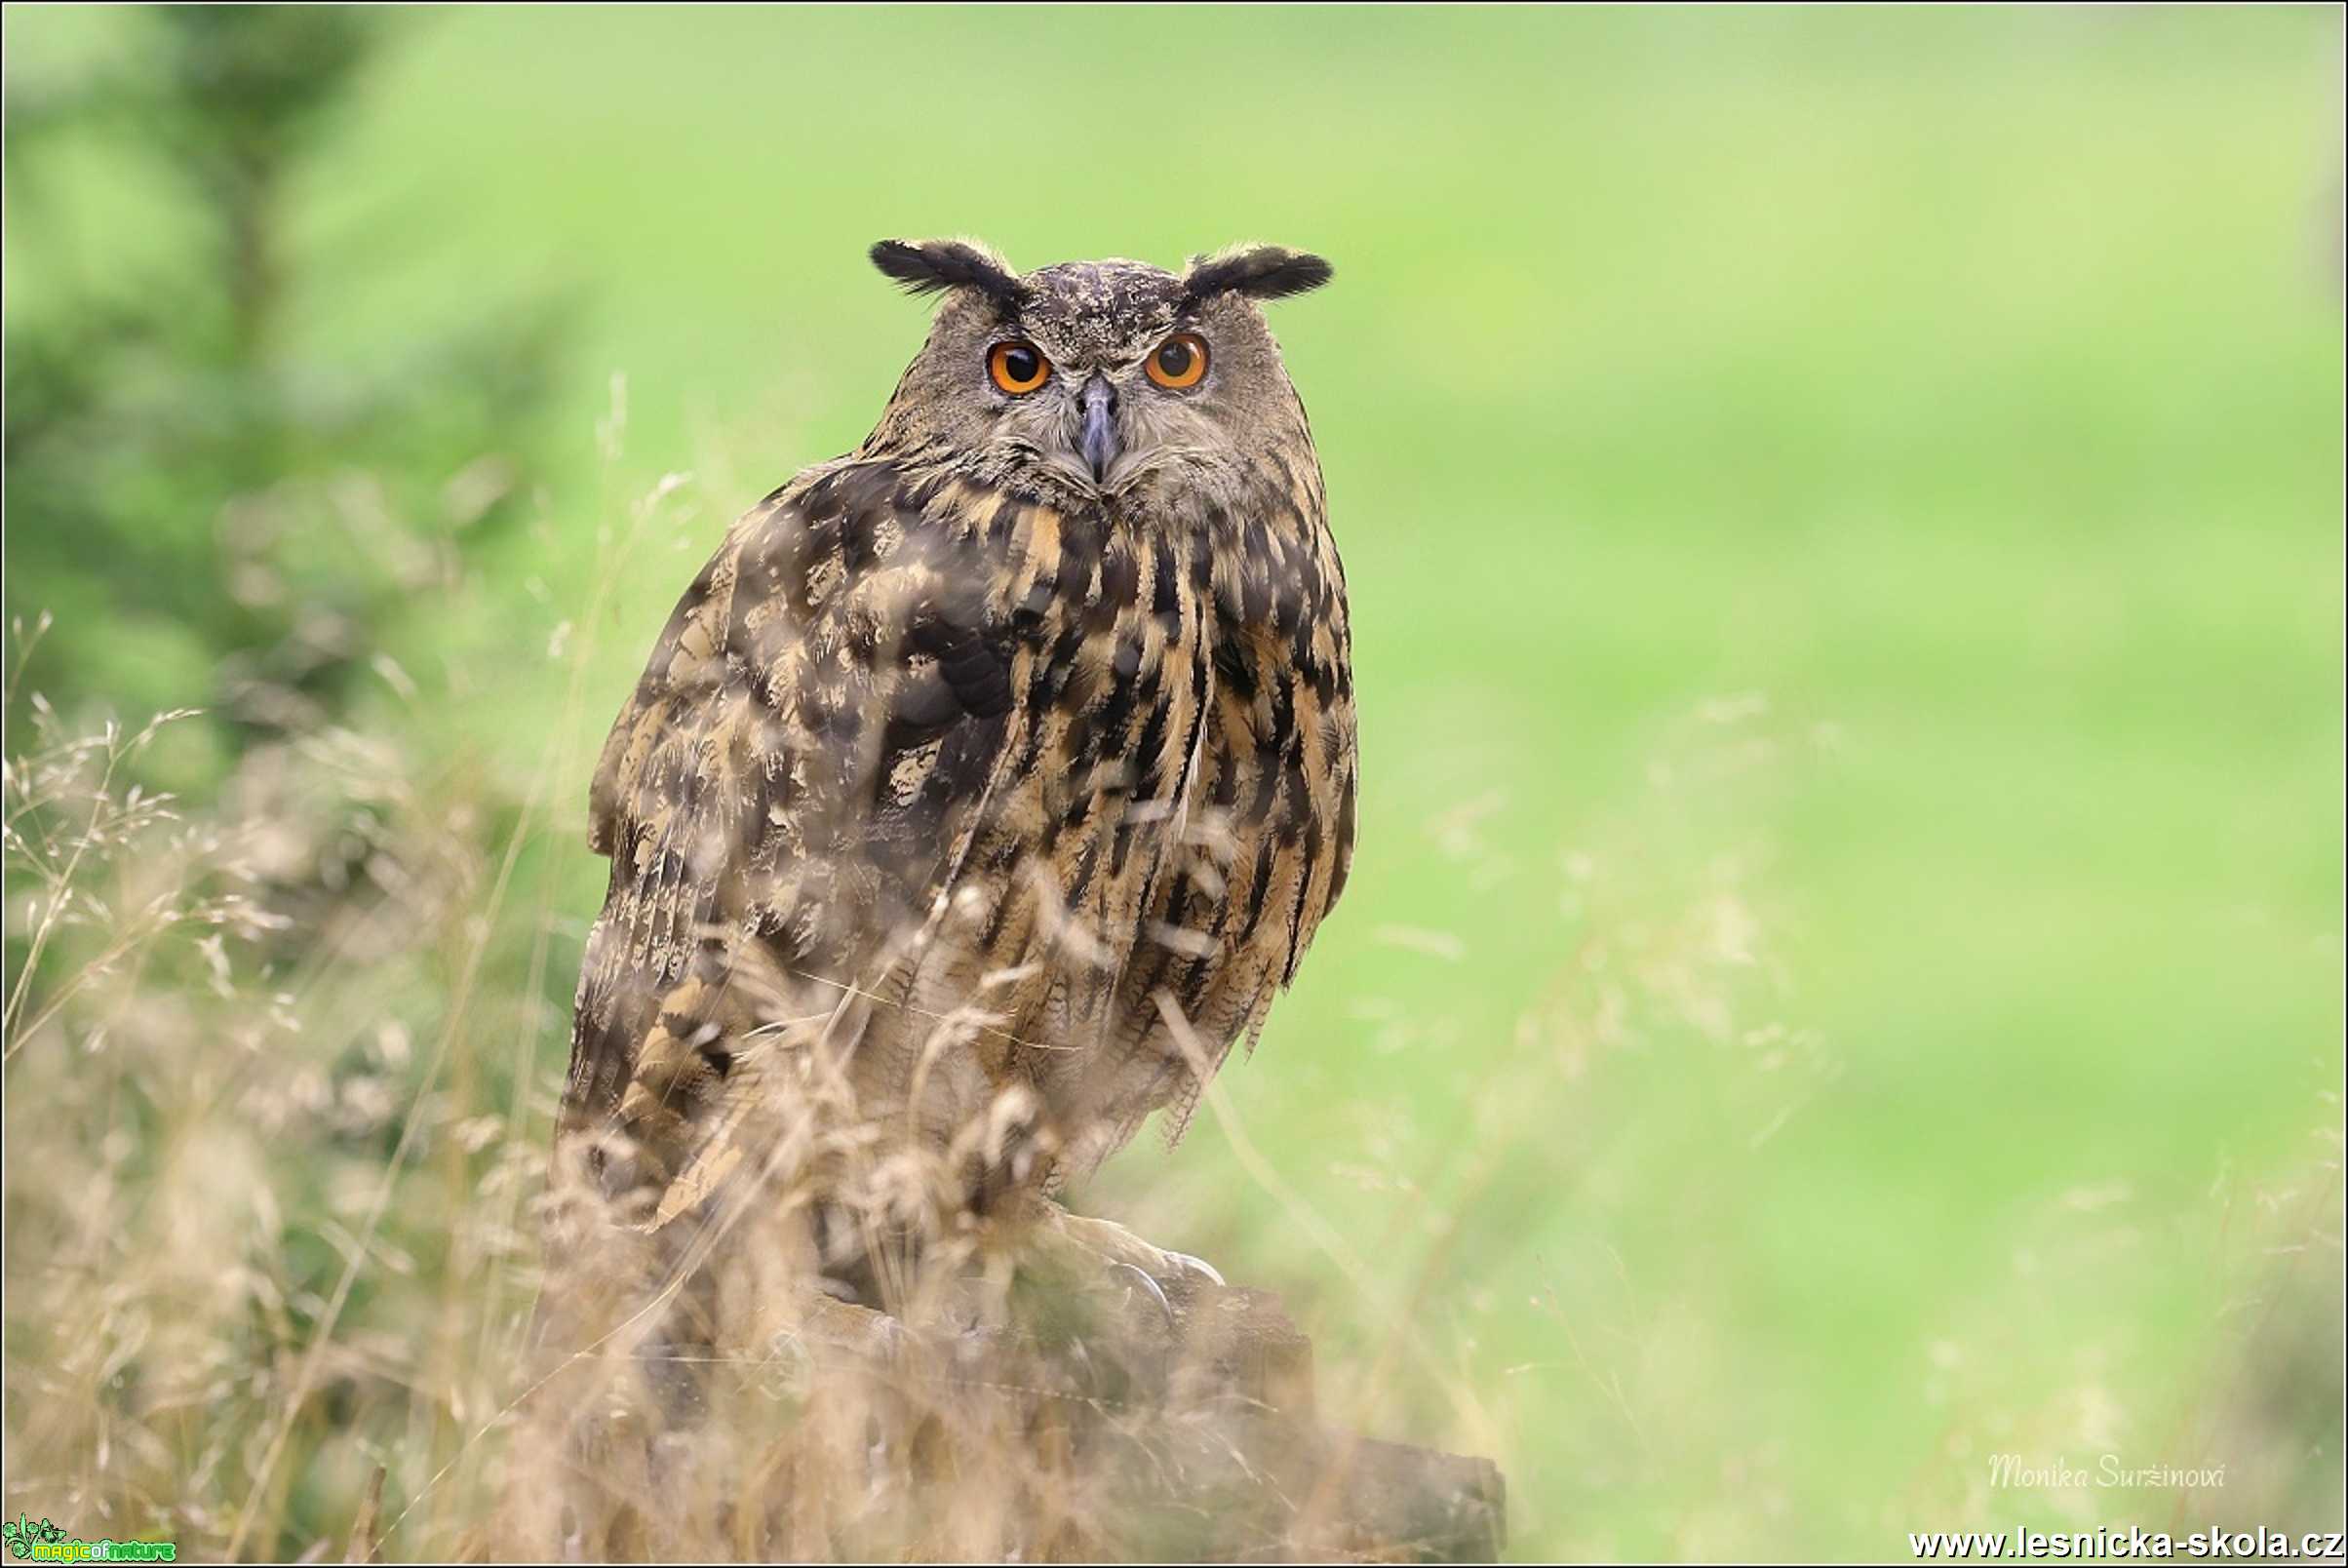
(932, 266)
(1258, 271)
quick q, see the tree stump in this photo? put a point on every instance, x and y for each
(1076, 1425)
(1193, 1437)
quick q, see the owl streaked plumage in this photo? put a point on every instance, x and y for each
(990, 781)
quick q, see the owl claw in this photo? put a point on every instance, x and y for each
(1150, 1287)
(1198, 1265)
(1115, 1251)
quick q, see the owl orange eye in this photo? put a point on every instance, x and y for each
(1018, 368)
(1179, 362)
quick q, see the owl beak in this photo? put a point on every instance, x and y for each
(1097, 441)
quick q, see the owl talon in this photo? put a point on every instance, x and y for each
(1150, 1287)
(1198, 1265)
(1101, 1247)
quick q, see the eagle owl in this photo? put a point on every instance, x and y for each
(990, 781)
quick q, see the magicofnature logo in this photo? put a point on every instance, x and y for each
(44, 1542)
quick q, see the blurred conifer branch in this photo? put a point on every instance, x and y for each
(214, 508)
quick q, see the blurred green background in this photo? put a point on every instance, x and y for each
(1843, 972)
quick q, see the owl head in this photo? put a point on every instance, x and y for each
(1099, 376)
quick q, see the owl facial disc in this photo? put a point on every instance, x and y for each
(1099, 380)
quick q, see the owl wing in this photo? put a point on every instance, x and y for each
(791, 786)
